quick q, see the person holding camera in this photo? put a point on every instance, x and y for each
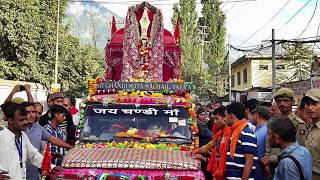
(19, 88)
(18, 100)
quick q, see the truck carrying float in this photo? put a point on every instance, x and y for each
(138, 121)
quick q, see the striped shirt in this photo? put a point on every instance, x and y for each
(247, 144)
(55, 150)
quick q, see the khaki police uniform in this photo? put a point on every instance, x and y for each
(313, 145)
(313, 137)
(301, 128)
(300, 125)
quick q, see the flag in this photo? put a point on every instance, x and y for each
(177, 31)
(46, 163)
(113, 26)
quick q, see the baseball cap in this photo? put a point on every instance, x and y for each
(284, 92)
(313, 94)
(17, 100)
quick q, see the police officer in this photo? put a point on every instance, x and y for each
(284, 100)
(312, 106)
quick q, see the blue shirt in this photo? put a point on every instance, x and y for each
(261, 133)
(36, 133)
(247, 144)
(287, 170)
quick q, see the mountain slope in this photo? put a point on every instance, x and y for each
(91, 22)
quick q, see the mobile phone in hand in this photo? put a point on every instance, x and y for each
(22, 88)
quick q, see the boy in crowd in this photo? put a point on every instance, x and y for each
(57, 114)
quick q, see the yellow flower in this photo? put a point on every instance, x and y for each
(89, 145)
(132, 131)
(142, 93)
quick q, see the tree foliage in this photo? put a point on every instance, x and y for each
(27, 51)
(298, 60)
(207, 80)
(189, 37)
(214, 51)
(190, 44)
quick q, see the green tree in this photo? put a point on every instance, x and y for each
(214, 51)
(28, 33)
(299, 58)
(206, 72)
(189, 37)
(192, 70)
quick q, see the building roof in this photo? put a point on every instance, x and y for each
(260, 53)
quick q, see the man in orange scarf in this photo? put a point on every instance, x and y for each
(236, 144)
(217, 145)
(242, 151)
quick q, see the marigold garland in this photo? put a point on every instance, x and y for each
(132, 144)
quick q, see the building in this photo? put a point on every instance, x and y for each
(251, 75)
(256, 71)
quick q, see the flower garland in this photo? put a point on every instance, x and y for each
(132, 144)
(81, 115)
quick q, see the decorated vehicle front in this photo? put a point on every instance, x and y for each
(146, 133)
(138, 121)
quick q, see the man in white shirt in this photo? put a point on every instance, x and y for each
(16, 148)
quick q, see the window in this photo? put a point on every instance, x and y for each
(232, 81)
(263, 67)
(239, 78)
(280, 66)
(245, 76)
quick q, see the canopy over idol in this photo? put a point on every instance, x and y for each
(143, 49)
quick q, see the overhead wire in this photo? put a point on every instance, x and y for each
(314, 11)
(274, 16)
(240, 10)
(292, 17)
(238, 39)
(318, 29)
(233, 5)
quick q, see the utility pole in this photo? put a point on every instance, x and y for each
(274, 76)
(230, 73)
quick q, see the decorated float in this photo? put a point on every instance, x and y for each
(137, 122)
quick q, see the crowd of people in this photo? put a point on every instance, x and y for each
(261, 140)
(25, 133)
(249, 140)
